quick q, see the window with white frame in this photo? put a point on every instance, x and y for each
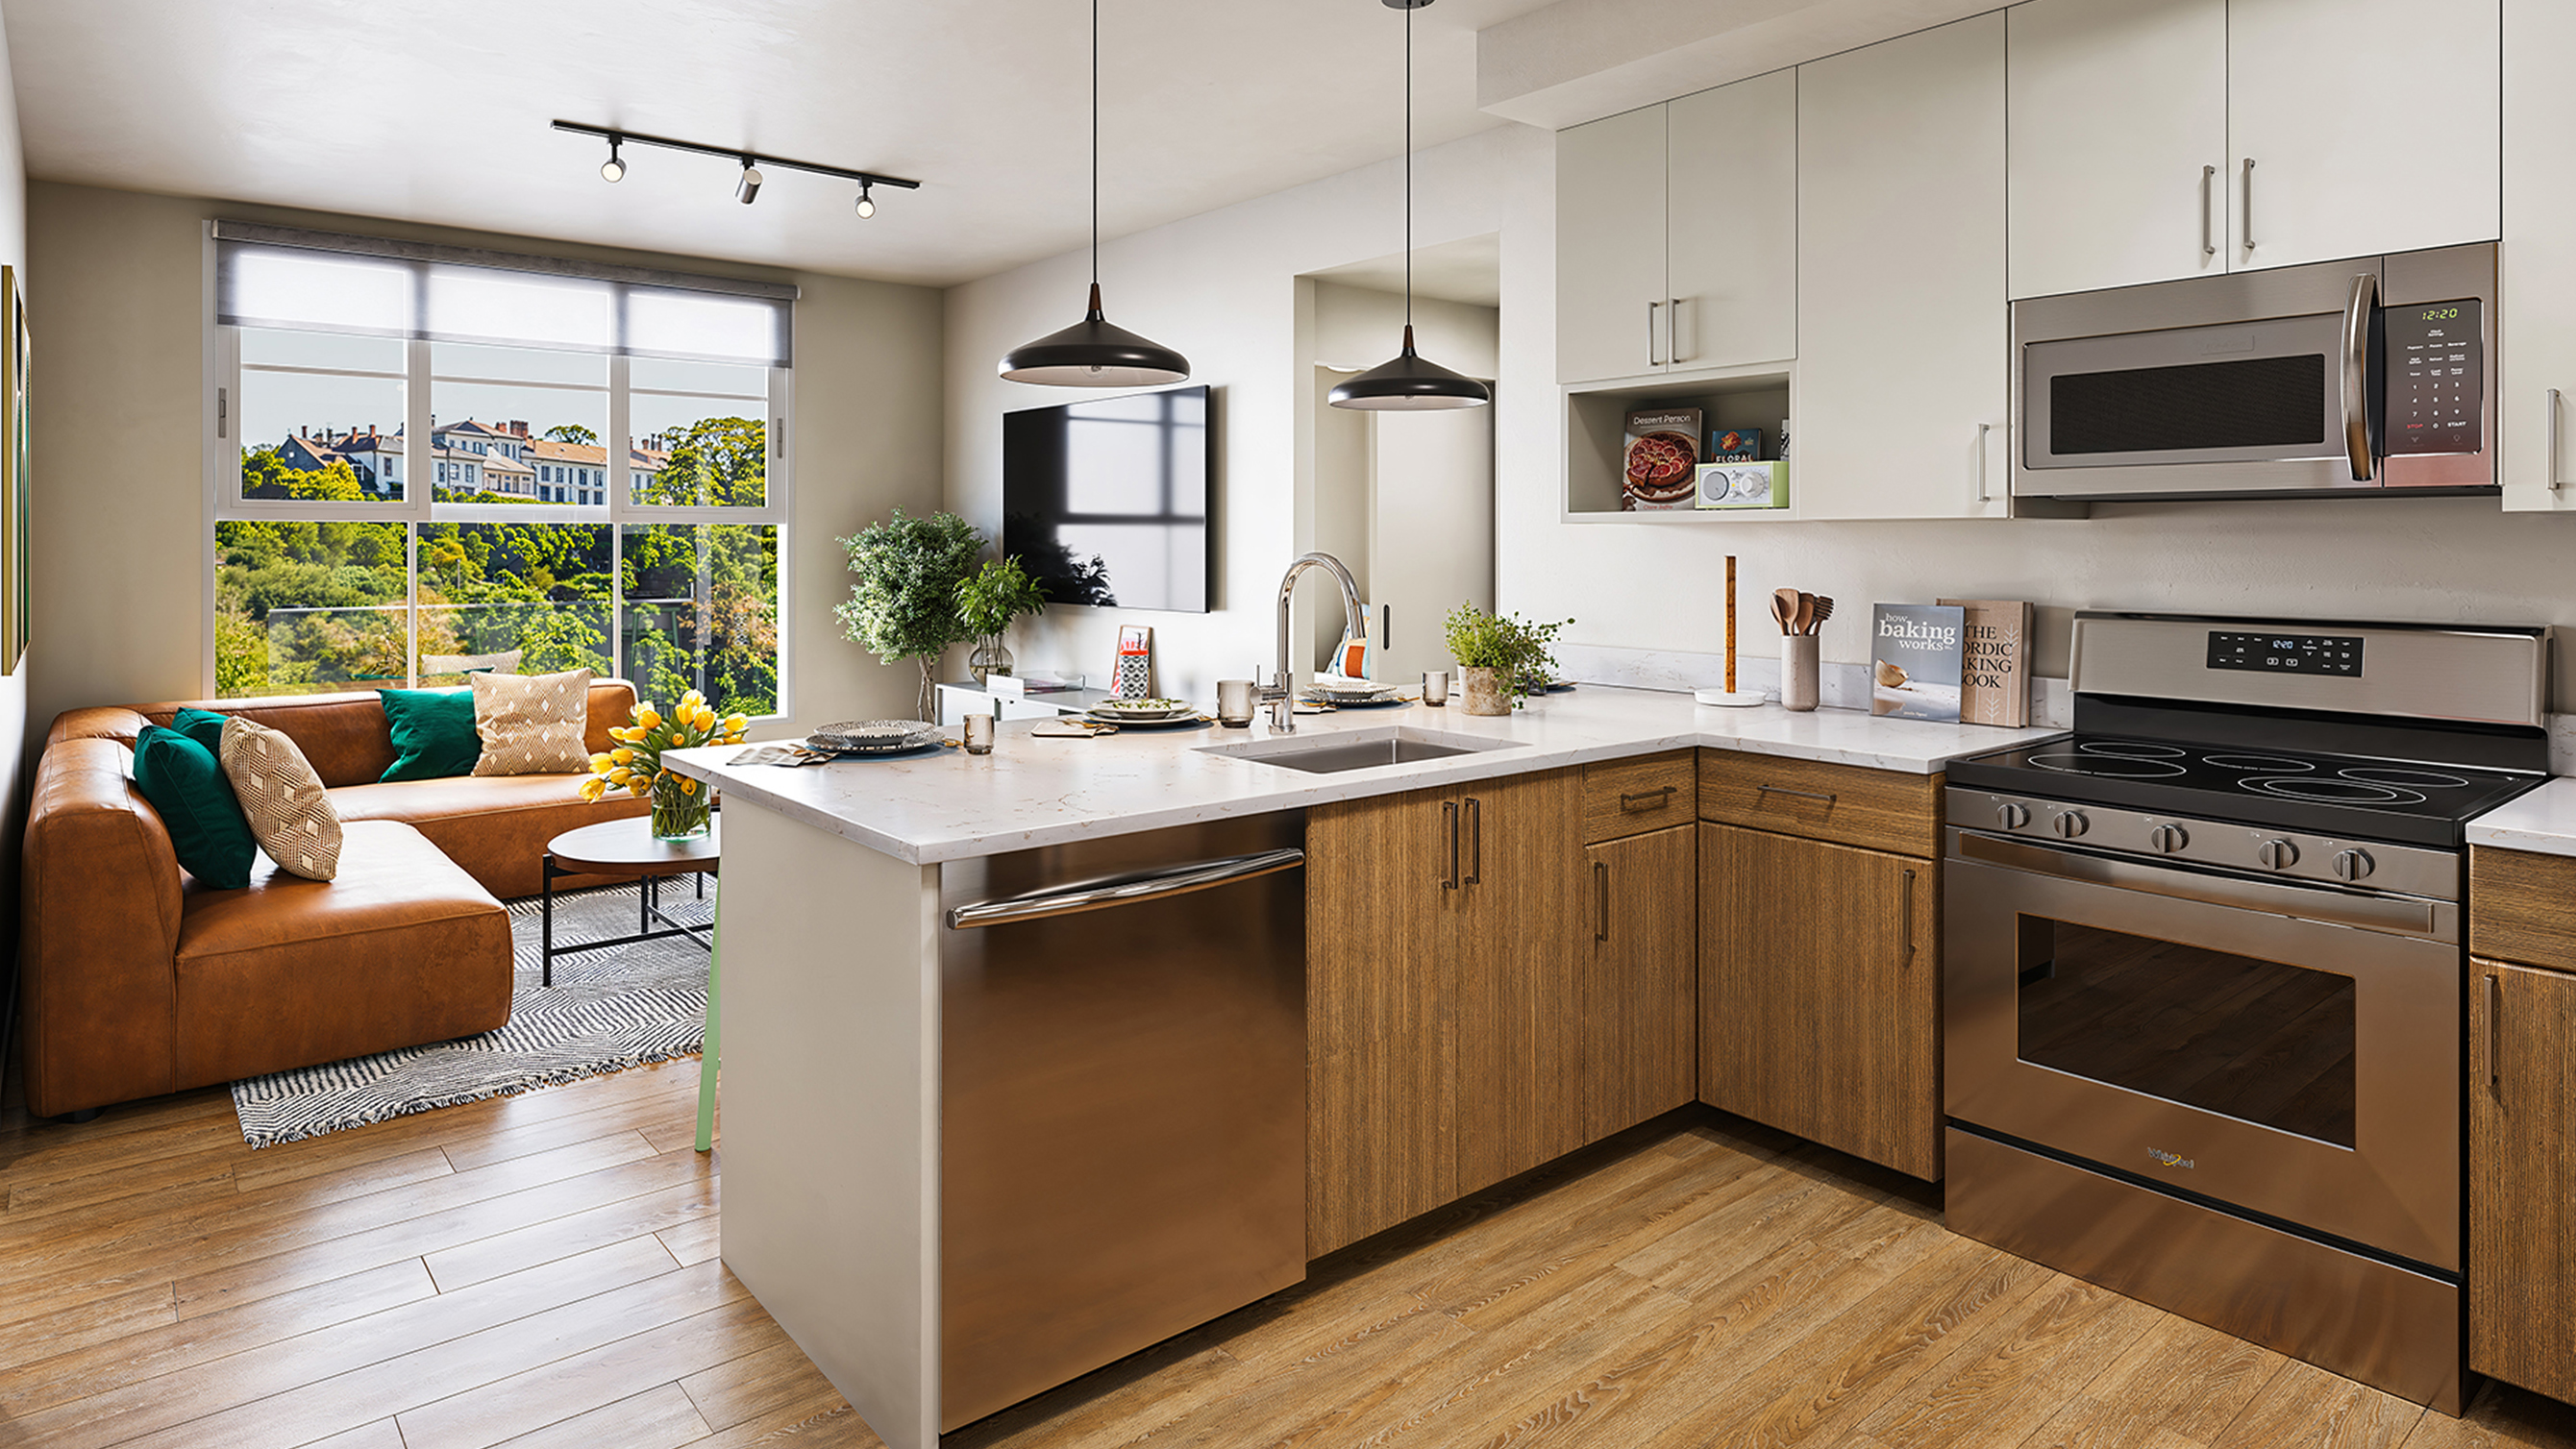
(345, 557)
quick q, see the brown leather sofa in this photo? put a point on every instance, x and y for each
(137, 980)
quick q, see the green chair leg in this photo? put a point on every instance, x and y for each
(708, 1054)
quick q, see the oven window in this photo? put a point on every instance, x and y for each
(2255, 1040)
(2253, 402)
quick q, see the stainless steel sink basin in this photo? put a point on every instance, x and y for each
(1331, 753)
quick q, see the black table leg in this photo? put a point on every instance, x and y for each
(546, 869)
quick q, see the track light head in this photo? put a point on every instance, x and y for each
(614, 168)
(747, 189)
(867, 204)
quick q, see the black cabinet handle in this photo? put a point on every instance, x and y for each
(1801, 794)
(1905, 922)
(1653, 799)
(1475, 841)
(1601, 901)
(2495, 1035)
(1449, 814)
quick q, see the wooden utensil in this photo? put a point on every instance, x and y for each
(1784, 607)
(1806, 615)
(1730, 623)
(1824, 611)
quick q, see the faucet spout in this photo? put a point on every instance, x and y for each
(1282, 692)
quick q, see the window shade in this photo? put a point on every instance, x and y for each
(319, 283)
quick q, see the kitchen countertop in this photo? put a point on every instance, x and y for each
(2543, 820)
(1031, 792)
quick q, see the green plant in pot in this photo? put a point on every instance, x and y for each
(1500, 656)
(904, 605)
(988, 602)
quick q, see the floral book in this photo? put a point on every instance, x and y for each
(1914, 657)
(1994, 674)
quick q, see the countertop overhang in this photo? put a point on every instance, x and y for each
(1033, 792)
(2542, 820)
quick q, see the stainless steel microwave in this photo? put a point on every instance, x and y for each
(2336, 378)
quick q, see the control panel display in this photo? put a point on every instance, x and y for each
(2285, 653)
(2437, 377)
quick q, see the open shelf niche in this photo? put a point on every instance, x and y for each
(1596, 417)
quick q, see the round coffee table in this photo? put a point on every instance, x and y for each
(627, 848)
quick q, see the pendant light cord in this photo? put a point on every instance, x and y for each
(1095, 142)
(1408, 169)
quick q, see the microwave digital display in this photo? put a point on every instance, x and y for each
(2285, 653)
(2436, 377)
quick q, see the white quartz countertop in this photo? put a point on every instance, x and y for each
(1032, 792)
(2543, 820)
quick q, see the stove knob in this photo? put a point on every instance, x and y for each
(2353, 864)
(2011, 815)
(2169, 838)
(2277, 854)
(2069, 824)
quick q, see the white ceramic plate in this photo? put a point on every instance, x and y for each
(1339, 686)
(1133, 711)
(873, 734)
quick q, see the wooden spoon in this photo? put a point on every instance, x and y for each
(1824, 611)
(1806, 613)
(1784, 607)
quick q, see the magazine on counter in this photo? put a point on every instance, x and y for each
(1914, 655)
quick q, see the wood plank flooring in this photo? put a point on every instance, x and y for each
(541, 1271)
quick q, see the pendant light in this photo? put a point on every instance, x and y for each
(1092, 352)
(1408, 382)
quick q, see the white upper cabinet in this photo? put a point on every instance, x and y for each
(1676, 234)
(2536, 373)
(2368, 126)
(1610, 297)
(1733, 235)
(2118, 113)
(1900, 394)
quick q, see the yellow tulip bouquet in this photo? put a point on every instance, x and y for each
(680, 804)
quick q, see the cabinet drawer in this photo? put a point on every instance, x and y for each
(1846, 804)
(1630, 797)
(2522, 906)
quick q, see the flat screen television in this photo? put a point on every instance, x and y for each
(1105, 501)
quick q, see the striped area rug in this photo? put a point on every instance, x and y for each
(608, 1010)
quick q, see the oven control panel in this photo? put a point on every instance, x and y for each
(2381, 866)
(2437, 382)
(2285, 653)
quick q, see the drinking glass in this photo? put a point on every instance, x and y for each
(979, 734)
(1435, 687)
(1234, 703)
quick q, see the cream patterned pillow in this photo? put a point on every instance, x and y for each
(532, 724)
(290, 813)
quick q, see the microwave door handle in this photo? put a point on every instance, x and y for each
(2357, 313)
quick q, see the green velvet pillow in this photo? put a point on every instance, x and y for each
(204, 726)
(186, 784)
(433, 733)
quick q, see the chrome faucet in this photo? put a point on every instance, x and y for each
(1281, 693)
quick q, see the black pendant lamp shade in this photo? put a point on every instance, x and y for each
(1093, 352)
(1408, 383)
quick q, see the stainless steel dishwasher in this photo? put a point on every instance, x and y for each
(1123, 1098)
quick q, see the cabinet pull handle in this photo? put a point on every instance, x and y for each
(1475, 841)
(2495, 1035)
(2557, 405)
(1449, 814)
(1601, 901)
(2208, 236)
(1655, 799)
(1673, 333)
(2249, 204)
(1982, 430)
(1651, 309)
(1801, 794)
(1905, 922)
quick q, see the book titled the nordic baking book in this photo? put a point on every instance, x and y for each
(1914, 654)
(1994, 668)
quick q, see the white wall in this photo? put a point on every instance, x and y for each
(14, 746)
(1219, 287)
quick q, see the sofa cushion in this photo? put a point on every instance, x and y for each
(204, 726)
(433, 733)
(402, 948)
(289, 811)
(494, 826)
(532, 724)
(188, 789)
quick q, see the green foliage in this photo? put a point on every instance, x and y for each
(1519, 650)
(1001, 592)
(571, 433)
(266, 475)
(904, 605)
(715, 463)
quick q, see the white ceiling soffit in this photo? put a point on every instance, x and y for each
(1469, 270)
(1580, 60)
(438, 113)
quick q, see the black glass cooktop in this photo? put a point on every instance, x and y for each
(2323, 794)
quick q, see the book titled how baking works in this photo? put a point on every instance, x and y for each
(1914, 656)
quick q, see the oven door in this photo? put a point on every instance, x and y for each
(2291, 1051)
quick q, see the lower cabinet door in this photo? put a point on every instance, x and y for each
(1820, 991)
(1637, 996)
(1519, 1093)
(2522, 1214)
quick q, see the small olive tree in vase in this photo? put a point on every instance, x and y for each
(904, 605)
(1500, 656)
(988, 603)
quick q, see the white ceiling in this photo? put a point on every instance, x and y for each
(439, 113)
(1469, 269)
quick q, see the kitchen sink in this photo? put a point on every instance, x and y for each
(1332, 752)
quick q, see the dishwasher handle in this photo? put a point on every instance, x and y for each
(1124, 891)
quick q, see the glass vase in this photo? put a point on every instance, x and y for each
(681, 813)
(989, 658)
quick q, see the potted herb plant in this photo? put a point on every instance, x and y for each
(904, 605)
(988, 602)
(1499, 656)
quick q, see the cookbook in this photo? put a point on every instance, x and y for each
(1994, 670)
(1914, 657)
(1660, 460)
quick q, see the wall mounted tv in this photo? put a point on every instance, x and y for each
(1105, 501)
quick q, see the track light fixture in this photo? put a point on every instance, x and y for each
(747, 185)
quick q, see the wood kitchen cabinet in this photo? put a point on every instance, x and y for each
(1901, 399)
(2536, 338)
(1441, 997)
(1637, 995)
(1677, 234)
(1820, 992)
(2522, 1163)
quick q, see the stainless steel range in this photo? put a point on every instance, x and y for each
(2205, 972)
